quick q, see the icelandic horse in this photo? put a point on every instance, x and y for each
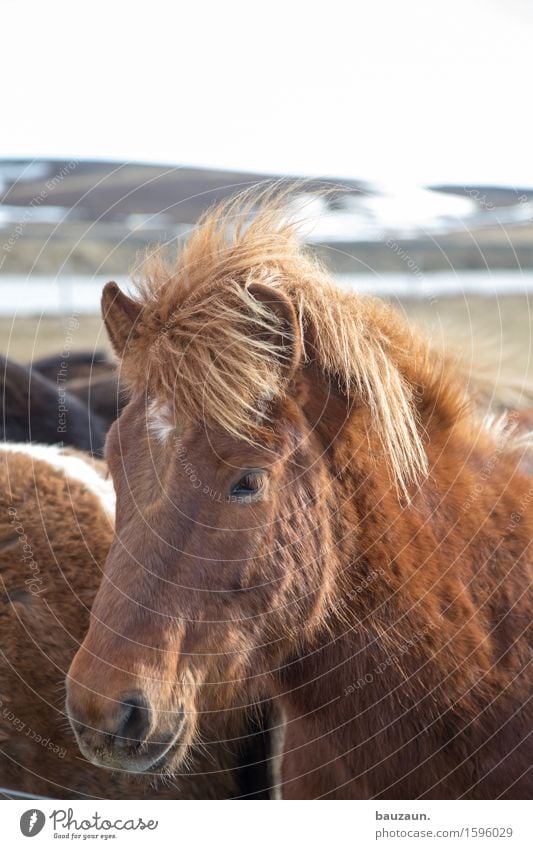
(310, 511)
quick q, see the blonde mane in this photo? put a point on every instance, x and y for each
(201, 340)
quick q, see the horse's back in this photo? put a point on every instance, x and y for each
(35, 409)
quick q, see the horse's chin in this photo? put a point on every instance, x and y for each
(166, 762)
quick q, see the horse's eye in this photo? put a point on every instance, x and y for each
(249, 486)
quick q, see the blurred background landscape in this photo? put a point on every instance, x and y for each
(412, 116)
(450, 256)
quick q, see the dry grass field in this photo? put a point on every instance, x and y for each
(497, 330)
(26, 338)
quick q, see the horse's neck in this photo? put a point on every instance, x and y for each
(406, 652)
(410, 594)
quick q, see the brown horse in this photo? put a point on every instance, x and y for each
(56, 526)
(89, 376)
(310, 510)
(35, 409)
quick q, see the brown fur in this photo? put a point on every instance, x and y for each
(376, 587)
(61, 528)
(35, 409)
(102, 395)
(89, 376)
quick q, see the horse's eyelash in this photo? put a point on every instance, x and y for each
(251, 480)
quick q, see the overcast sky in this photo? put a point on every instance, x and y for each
(414, 91)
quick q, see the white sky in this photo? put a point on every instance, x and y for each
(391, 90)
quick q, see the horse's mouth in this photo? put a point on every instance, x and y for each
(169, 756)
(163, 760)
(140, 762)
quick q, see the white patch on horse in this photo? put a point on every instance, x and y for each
(161, 420)
(73, 467)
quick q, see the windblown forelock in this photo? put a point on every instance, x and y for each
(215, 361)
(200, 341)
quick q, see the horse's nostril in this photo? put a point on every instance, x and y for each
(134, 724)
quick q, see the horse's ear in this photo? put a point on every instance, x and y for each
(286, 334)
(120, 314)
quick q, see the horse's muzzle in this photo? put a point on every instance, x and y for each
(124, 735)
